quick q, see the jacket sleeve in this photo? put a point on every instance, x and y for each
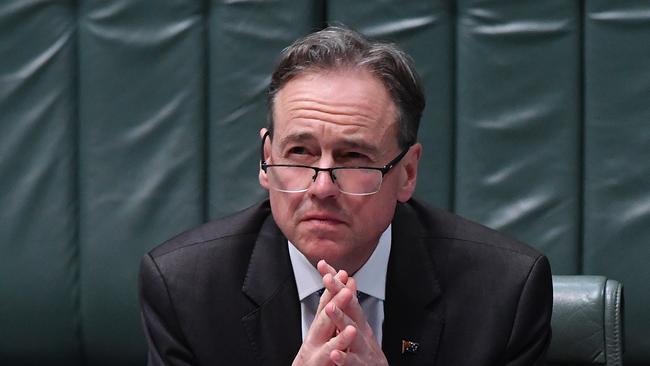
(531, 332)
(167, 345)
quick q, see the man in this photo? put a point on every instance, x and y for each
(341, 266)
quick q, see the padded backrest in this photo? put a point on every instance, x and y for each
(587, 321)
(124, 122)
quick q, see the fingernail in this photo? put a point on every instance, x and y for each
(333, 308)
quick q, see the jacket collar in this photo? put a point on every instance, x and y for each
(413, 310)
(273, 328)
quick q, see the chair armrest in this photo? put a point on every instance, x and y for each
(587, 321)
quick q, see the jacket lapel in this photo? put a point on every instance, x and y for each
(273, 328)
(413, 310)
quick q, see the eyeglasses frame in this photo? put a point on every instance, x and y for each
(384, 170)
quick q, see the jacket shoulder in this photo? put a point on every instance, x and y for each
(245, 222)
(441, 224)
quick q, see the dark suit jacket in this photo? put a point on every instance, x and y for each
(225, 294)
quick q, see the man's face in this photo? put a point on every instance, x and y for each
(337, 118)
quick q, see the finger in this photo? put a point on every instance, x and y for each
(343, 340)
(341, 277)
(325, 298)
(338, 317)
(321, 329)
(331, 289)
(342, 298)
(362, 342)
(351, 358)
(324, 268)
(333, 284)
(338, 357)
(312, 356)
(351, 284)
(346, 300)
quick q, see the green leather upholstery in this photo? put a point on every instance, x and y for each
(123, 122)
(587, 321)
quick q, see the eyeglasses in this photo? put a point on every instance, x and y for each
(356, 181)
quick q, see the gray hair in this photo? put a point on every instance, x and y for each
(338, 47)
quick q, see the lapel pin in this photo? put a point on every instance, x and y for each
(409, 346)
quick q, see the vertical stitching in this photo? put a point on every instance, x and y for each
(617, 321)
(581, 169)
(453, 98)
(205, 184)
(75, 13)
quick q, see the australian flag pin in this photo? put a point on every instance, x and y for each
(409, 346)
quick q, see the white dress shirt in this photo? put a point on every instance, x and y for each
(370, 278)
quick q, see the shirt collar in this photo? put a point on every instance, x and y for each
(371, 277)
(308, 279)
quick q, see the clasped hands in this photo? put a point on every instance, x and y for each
(340, 333)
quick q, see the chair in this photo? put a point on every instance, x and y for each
(587, 321)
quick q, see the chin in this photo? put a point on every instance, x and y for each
(331, 251)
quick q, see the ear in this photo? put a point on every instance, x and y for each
(264, 181)
(409, 173)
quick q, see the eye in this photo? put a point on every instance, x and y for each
(355, 157)
(297, 150)
(299, 155)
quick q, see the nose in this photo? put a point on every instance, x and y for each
(323, 186)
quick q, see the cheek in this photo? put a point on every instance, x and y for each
(381, 207)
(373, 214)
(284, 206)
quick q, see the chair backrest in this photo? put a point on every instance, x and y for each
(587, 321)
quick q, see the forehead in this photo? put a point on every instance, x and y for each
(350, 103)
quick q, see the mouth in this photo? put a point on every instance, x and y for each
(323, 219)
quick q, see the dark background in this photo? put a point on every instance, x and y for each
(123, 122)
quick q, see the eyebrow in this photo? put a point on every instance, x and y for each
(346, 142)
(361, 145)
(296, 137)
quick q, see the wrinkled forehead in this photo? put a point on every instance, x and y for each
(352, 102)
(315, 72)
